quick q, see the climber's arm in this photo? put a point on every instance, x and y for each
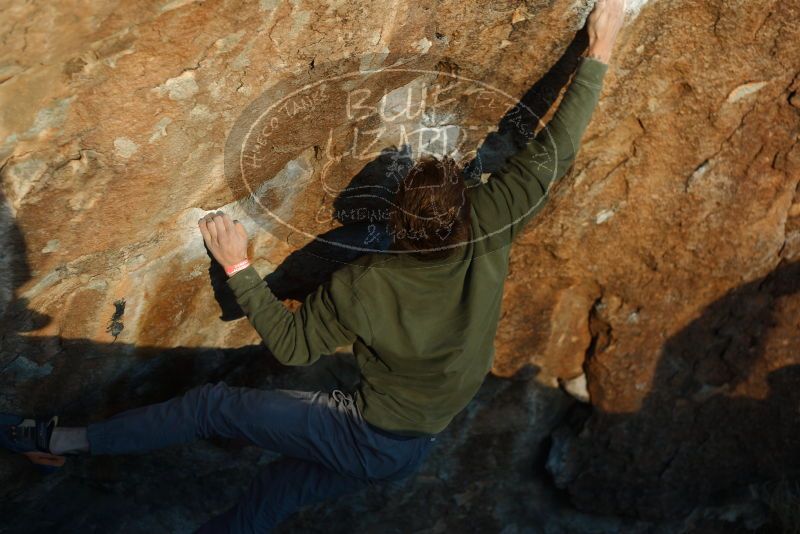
(328, 318)
(513, 195)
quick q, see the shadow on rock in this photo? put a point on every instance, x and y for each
(722, 414)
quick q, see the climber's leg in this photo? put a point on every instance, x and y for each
(268, 418)
(307, 425)
(352, 454)
(333, 449)
(283, 487)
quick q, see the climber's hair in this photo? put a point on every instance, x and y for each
(431, 212)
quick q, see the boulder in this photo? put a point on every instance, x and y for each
(662, 268)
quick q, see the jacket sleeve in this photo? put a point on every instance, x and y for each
(517, 191)
(330, 317)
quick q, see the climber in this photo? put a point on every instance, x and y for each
(421, 318)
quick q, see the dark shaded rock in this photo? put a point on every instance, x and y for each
(722, 413)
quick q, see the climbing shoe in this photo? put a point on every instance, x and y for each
(30, 437)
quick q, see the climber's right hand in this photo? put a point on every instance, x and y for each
(226, 239)
(603, 25)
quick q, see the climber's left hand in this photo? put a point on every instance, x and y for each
(603, 25)
(226, 239)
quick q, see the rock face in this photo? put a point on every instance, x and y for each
(721, 412)
(663, 266)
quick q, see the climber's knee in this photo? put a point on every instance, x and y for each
(203, 403)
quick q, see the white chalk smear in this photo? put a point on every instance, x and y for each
(632, 7)
(584, 7)
(124, 147)
(603, 215)
(745, 90)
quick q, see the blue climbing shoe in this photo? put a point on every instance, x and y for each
(30, 437)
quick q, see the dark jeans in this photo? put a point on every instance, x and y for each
(329, 449)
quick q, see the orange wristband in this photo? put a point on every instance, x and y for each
(230, 270)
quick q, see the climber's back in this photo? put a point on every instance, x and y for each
(432, 323)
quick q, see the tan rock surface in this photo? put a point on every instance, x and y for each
(113, 130)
